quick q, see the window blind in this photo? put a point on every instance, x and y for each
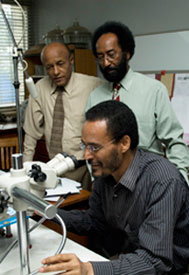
(15, 17)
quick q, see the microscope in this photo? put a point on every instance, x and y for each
(24, 187)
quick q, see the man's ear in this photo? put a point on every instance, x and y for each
(125, 143)
(71, 58)
(128, 56)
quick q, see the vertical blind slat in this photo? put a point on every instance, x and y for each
(15, 19)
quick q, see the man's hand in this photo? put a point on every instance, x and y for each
(67, 263)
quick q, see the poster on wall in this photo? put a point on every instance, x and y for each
(180, 102)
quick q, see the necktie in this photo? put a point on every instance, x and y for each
(57, 127)
(116, 87)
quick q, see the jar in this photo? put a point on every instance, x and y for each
(77, 35)
(55, 35)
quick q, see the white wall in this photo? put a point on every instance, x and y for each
(165, 51)
(142, 16)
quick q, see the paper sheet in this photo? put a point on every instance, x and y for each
(181, 107)
(180, 102)
(181, 85)
(64, 187)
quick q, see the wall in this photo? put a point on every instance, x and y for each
(165, 51)
(142, 16)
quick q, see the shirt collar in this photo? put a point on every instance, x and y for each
(130, 176)
(67, 88)
(126, 81)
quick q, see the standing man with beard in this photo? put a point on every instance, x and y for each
(159, 129)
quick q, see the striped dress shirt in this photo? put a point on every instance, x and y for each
(143, 219)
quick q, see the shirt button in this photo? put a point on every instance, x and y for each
(115, 196)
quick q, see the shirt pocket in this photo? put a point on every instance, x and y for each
(72, 134)
(74, 125)
(147, 133)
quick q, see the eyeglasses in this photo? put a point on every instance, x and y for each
(93, 148)
(108, 56)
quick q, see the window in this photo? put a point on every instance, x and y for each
(15, 18)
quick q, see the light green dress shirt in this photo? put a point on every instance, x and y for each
(157, 122)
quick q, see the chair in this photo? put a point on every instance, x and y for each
(8, 146)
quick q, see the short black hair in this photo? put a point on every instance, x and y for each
(119, 117)
(123, 33)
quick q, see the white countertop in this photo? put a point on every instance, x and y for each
(45, 242)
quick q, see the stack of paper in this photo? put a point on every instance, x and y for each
(64, 187)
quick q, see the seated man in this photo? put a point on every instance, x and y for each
(139, 206)
(58, 110)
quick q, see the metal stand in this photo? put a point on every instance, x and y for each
(26, 188)
(22, 226)
(21, 198)
(16, 86)
(23, 242)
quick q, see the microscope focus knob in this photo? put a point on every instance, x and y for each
(37, 174)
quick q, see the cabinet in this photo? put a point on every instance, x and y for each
(84, 62)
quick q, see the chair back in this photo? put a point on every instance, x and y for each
(8, 146)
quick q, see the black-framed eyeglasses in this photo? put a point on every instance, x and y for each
(93, 148)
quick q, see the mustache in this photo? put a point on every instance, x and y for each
(91, 162)
(109, 69)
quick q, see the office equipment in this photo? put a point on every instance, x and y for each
(25, 186)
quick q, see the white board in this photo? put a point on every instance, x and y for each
(165, 51)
